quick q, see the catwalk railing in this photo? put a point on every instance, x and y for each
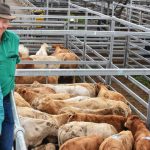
(19, 131)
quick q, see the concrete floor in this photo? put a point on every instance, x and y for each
(15, 3)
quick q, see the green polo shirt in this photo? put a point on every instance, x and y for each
(8, 59)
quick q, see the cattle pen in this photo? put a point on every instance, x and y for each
(109, 48)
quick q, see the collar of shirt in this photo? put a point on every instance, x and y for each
(5, 36)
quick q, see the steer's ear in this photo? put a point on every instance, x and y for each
(24, 91)
(97, 87)
(57, 45)
(133, 117)
(71, 116)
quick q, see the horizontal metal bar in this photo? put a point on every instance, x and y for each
(137, 111)
(64, 62)
(130, 24)
(140, 48)
(92, 50)
(140, 85)
(35, 24)
(141, 57)
(53, 25)
(58, 16)
(90, 11)
(142, 41)
(81, 72)
(136, 62)
(41, 21)
(82, 33)
(43, 8)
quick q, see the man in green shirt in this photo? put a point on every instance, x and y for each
(9, 43)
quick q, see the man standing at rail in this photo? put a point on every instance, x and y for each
(9, 43)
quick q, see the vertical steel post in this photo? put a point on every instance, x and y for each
(52, 3)
(126, 54)
(108, 9)
(148, 112)
(84, 45)
(140, 18)
(109, 65)
(65, 28)
(47, 5)
(102, 7)
(68, 24)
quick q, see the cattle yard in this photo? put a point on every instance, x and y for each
(111, 50)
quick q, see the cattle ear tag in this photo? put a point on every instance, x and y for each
(146, 138)
(116, 136)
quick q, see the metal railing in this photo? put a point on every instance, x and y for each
(19, 131)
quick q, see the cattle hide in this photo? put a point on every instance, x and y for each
(115, 110)
(20, 101)
(121, 141)
(78, 129)
(115, 120)
(38, 129)
(52, 106)
(83, 143)
(108, 94)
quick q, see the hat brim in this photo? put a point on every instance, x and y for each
(7, 17)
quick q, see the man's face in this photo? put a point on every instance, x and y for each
(4, 24)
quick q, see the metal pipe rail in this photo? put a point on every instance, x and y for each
(92, 50)
(83, 33)
(132, 94)
(90, 11)
(59, 17)
(138, 14)
(64, 62)
(87, 47)
(133, 7)
(34, 21)
(81, 72)
(94, 12)
(19, 131)
(86, 56)
(58, 24)
(43, 8)
(139, 99)
(113, 18)
(134, 53)
(140, 40)
(135, 26)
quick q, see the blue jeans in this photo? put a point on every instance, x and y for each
(6, 138)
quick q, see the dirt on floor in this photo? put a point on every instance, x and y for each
(136, 90)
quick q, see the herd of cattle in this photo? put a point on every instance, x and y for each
(78, 116)
(60, 54)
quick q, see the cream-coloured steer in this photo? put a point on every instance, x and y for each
(38, 129)
(78, 129)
